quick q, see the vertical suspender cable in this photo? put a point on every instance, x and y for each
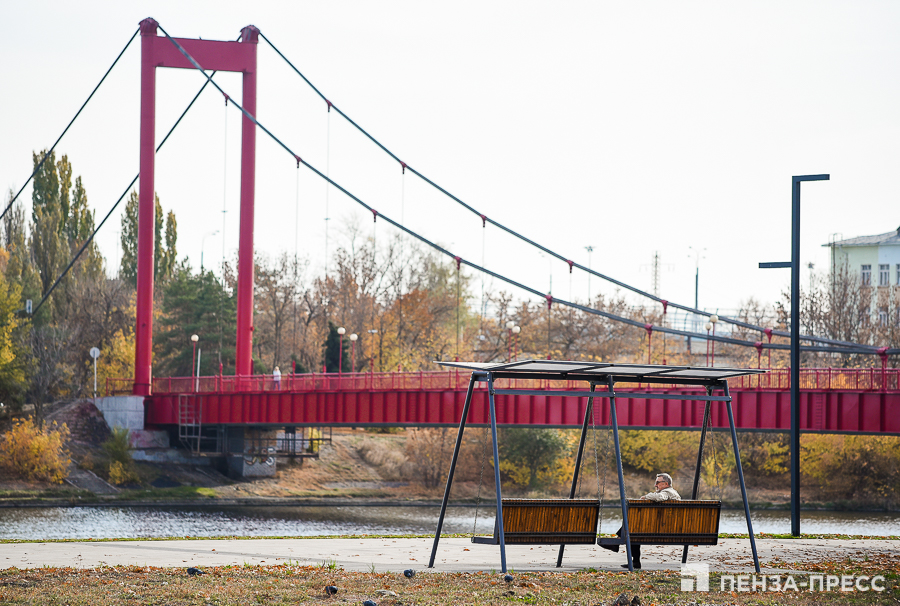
(483, 302)
(296, 259)
(224, 184)
(457, 312)
(327, 183)
(221, 324)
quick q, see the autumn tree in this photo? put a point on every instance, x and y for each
(165, 245)
(277, 288)
(13, 356)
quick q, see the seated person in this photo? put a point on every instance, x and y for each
(664, 492)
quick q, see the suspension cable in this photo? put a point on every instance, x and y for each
(515, 234)
(71, 122)
(550, 299)
(130, 185)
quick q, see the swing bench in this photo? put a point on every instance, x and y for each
(546, 522)
(690, 522)
(574, 521)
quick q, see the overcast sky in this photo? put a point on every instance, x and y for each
(632, 127)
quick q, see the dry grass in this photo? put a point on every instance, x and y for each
(291, 584)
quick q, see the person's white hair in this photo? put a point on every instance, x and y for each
(666, 478)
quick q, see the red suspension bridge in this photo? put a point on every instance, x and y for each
(832, 400)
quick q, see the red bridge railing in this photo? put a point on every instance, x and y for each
(822, 379)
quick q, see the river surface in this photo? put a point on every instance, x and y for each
(144, 522)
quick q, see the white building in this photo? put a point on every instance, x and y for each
(874, 259)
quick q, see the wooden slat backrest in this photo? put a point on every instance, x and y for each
(550, 521)
(677, 522)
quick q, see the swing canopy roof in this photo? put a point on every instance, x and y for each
(597, 372)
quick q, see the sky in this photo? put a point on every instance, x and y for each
(634, 128)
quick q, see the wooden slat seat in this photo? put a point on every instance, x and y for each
(546, 522)
(671, 523)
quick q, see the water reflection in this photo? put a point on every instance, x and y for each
(136, 522)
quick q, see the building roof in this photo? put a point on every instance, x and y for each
(891, 238)
(599, 372)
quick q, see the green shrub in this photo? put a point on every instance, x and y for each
(119, 464)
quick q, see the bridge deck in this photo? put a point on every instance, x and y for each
(436, 399)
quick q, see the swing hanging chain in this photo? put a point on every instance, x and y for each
(605, 470)
(480, 479)
(716, 467)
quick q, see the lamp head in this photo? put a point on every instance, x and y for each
(341, 330)
(195, 338)
(510, 324)
(516, 330)
(714, 318)
(708, 327)
(354, 336)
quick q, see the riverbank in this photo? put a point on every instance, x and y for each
(206, 498)
(356, 468)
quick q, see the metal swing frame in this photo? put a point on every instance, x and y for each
(713, 379)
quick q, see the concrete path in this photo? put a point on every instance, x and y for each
(398, 554)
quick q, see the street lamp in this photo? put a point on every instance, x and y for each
(589, 250)
(194, 339)
(516, 330)
(353, 338)
(202, 242)
(341, 332)
(708, 328)
(713, 320)
(95, 353)
(509, 327)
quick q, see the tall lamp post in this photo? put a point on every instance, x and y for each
(708, 328)
(353, 338)
(194, 339)
(516, 330)
(713, 319)
(589, 250)
(95, 353)
(202, 242)
(794, 264)
(509, 327)
(341, 332)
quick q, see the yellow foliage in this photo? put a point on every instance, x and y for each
(121, 474)
(851, 466)
(34, 454)
(659, 451)
(116, 361)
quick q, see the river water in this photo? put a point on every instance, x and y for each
(143, 522)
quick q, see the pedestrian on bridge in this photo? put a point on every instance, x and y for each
(276, 377)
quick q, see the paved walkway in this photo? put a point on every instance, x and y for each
(398, 554)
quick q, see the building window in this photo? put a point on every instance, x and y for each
(884, 274)
(866, 275)
(883, 316)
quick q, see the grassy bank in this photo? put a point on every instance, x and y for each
(291, 584)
